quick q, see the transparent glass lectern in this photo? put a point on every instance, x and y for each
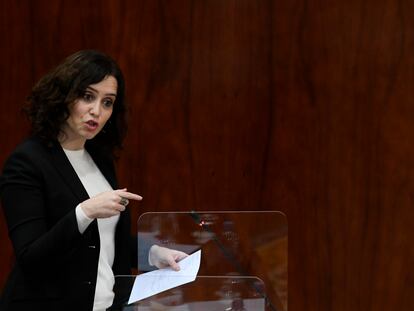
(210, 293)
(243, 260)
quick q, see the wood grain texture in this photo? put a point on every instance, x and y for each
(299, 106)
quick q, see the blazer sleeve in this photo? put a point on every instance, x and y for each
(36, 242)
(144, 245)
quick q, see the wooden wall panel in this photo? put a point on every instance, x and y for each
(298, 106)
(341, 154)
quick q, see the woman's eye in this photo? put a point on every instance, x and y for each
(108, 103)
(88, 97)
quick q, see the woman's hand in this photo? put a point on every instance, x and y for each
(163, 257)
(108, 203)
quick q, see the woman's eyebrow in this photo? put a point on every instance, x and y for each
(96, 91)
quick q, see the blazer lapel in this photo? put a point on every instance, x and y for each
(65, 169)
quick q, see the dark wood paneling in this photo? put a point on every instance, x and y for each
(298, 106)
(341, 152)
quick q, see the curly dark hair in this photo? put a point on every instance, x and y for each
(50, 98)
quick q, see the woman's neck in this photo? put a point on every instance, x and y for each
(71, 144)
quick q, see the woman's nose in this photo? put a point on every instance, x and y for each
(95, 109)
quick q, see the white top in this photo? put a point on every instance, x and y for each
(94, 183)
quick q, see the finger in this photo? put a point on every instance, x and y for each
(110, 213)
(114, 213)
(124, 201)
(177, 255)
(116, 206)
(120, 208)
(175, 266)
(129, 195)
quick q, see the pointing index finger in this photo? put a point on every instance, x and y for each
(129, 195)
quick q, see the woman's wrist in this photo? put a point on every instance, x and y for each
(82, 219)
(150, 253)
(86, 211)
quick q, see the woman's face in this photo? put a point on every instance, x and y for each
(89, 113)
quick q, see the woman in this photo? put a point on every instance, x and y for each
(67, 218)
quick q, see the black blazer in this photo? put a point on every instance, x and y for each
(56, 266)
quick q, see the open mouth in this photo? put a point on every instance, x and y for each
(92, 124)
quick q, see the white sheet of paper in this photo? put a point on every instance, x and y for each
(154, 282)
